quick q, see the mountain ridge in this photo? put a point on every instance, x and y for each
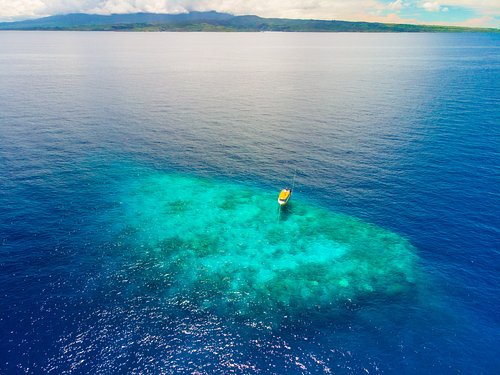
(215, 21)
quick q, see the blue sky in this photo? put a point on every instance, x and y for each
(438, 12)
(485, 13)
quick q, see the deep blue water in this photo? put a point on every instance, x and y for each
(400, 131)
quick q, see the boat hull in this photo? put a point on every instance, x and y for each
(284, 197)
(283, 202)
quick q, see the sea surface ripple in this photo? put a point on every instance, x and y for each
(139, 231)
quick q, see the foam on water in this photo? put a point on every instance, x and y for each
(228, 248)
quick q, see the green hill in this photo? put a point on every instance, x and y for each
(214, 21)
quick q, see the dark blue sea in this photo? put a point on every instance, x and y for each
(139, 226)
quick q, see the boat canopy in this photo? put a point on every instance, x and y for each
(284, 194)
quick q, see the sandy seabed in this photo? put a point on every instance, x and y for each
(228, 248)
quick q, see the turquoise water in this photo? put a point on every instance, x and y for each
(229, 248)
(139, 225)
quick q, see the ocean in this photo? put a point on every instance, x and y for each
(139, 226)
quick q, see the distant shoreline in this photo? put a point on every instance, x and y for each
(218, 22)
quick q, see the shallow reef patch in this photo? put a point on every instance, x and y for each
(227, 248)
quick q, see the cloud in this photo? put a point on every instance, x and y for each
(483, 7)
(392, 18)
(431, 6)
(319, 9)
(350, 10)
(486, 21)
(396, 5)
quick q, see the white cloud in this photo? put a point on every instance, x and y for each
(482, 7)
(431, 6)
(396, 5)
(319, 9)
(486, 21)
(353, 10)
(486, 7)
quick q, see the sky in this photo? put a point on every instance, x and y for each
(481, 13)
